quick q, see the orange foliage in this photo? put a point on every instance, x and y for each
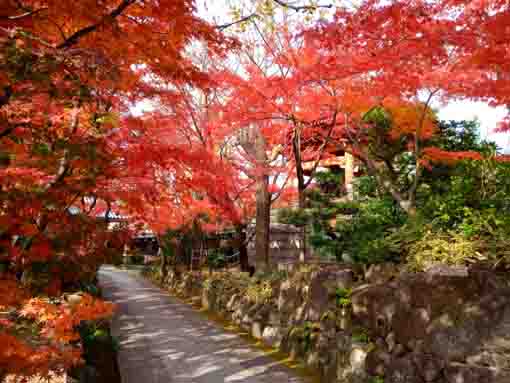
(10, 292)
(20, 358)
(51, 349)
(59, 321)
(69, 72)
(433, 154)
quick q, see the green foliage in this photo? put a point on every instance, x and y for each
(365, 186)
(309, 328)
(343, 297)
(473, 198)
(459, 136)
(97, 334)
(484, 222)
(259, 292)
(330, 182)
(381, 145)
(305, 334)
(216, 258)
(356, 228)
(463, 207)
(136, 259)
(377, 379)
(363, 236)
(272, 275)
(360, 335)
(293, 216)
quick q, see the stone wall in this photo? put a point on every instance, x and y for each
(283, 244)
(373, 326)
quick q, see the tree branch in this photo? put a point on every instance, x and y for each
(23, 15)
(417, 149)
(7, 131)
(241, 20)
(73, 39)
(322, 148)
(63, 167)
(279, 193)
(296, 8)
(301, 8)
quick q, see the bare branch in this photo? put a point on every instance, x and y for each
(23, 15)
(417, 147)
(301, 8)
(277, 195)
(241, 20)
(92, 205)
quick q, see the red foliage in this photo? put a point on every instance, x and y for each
(69, 72)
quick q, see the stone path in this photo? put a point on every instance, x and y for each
(164, 341)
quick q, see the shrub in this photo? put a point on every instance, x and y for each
(365, 186)
(293, 216)
(451, 248)
(364, 237)
(216, 258)
(259, 292)
(136, 259)
(343, 297)
(330, 183)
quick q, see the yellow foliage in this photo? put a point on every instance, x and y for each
(446, 248)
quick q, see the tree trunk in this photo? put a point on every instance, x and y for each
(164, 267)
(242, 248)
(163, 261)
(296, 148)
(349, 175)
(263, 202)
(303, 247)
(254, 143)
(406, 203)
(180, 256)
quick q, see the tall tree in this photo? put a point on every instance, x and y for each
(69, 73)
(353, 67)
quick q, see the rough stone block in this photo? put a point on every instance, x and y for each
(272, 336)
(257, 329)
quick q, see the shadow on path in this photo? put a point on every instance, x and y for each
(165, 341)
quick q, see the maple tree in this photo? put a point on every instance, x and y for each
(69, 73)
(264, 98)
(341, 85)
(351, 70)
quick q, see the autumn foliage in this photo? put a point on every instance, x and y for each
(69, 72)
(72, 151)
(55, 347)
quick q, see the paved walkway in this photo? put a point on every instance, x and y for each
(164, 341)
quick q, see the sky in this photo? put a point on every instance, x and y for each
(487, 115)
